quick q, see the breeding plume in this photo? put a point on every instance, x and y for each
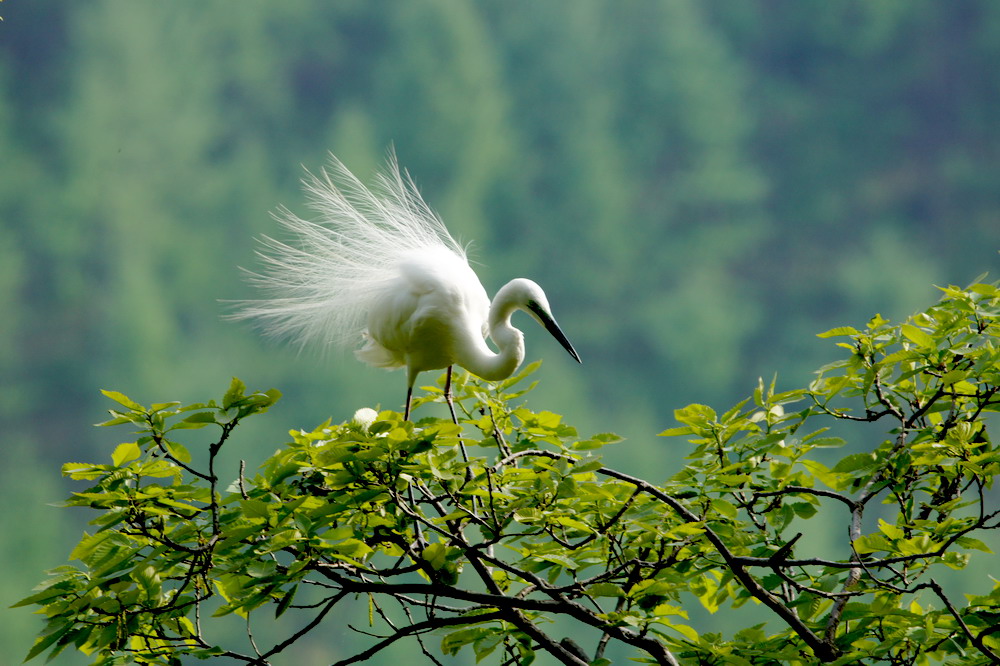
(379, 269)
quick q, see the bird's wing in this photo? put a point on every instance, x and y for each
(324, 282)
(431, 306)
(387, 335)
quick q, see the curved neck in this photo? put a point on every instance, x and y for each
(479, 359)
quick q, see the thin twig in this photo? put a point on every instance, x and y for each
(243, 490)
(976, 640)
(253, 643)
(307, 628)
(419, 627)
(825, 650)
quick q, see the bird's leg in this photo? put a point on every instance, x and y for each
(451, 408)
(409, 488)
(447, 395)
(409, 398)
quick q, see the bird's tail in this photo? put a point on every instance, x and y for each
(321, 282)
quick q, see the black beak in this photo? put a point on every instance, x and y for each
(552, 327)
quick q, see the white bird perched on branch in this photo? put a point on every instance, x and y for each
(380, 266)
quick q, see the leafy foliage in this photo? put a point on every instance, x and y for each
(484, 534)
(685, 147)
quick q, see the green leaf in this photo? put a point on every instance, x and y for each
(84, 471)
(573, 523)
(676, 432)
(118, 420)
(804, 510)
(286, 601)
(585, 467)
(725, 508)
(186, 510)
(455, 640)
(826, 442)
(838, 331)
(123, 400)
(828, 478)
(514, 379)
(178, 451)
(596, 442)
(892, 531)
(605, 590)
(236, 390)
(684, 630)
(964, 388)
(695, 415)
(969, 542)
(435, 555)
(255, 508)
(872, 543)
(41, 597)
(124, 453)
(987, 290)
(358, 550)
(918, 336)
(954, 376)
(200, 417)
(486, 645)
(855, 462)
(901, 355)
(561, 560)
(43, 642)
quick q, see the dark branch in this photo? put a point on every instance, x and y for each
(825, 650)
(418, 628)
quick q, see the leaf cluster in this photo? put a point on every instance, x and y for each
(931, 384)
(482, 534)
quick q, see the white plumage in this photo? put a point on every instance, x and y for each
(381, 267)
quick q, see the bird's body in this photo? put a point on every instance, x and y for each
(416, 318)
(381, 267)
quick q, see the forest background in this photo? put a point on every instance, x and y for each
(700, 186)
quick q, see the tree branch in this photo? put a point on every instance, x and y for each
(822, 649)
(794, 490)
(976, 640)
(417, 628)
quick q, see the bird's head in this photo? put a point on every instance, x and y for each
(525, 294)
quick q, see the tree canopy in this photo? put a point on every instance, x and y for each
(699, 185)
(484, 552)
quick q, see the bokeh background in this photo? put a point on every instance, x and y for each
(700, 185)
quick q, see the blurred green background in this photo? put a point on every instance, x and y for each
(699, 185)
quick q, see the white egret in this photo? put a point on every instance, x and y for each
(380, 266)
